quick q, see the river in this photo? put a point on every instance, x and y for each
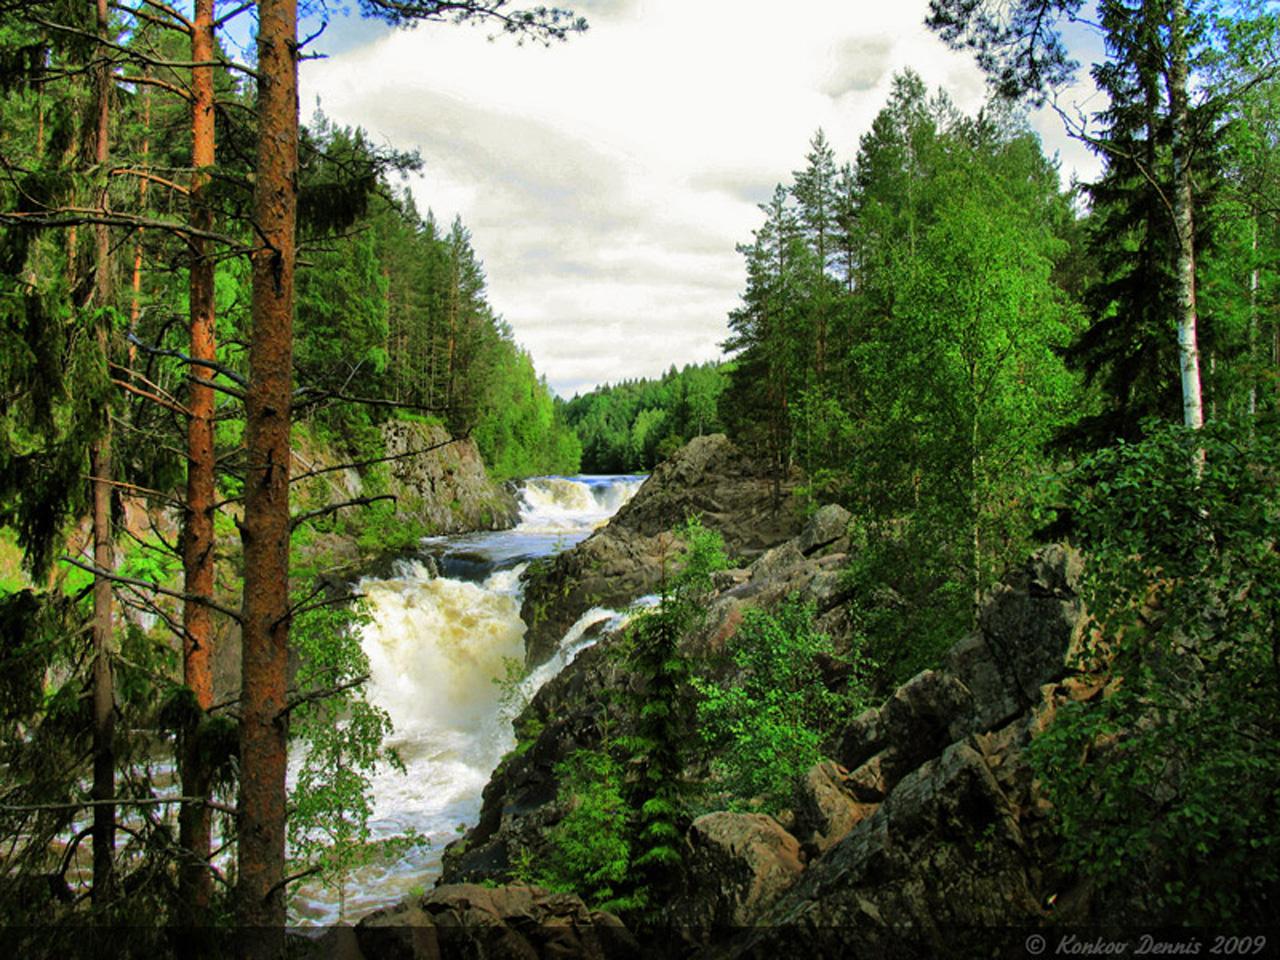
(438, 647)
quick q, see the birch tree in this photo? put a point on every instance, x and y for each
(1022, 49)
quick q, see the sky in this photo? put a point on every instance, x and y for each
(607, 180)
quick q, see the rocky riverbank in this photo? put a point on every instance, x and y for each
(439, 484)
(922, 835)
(710, 478)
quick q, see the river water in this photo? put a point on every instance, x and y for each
(437, 647)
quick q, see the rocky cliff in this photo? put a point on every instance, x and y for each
(446, 485)
(924, 833)
(439, 484)
(710, 478)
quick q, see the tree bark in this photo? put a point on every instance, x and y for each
(194, 828)
(104, 816)
(1183, 219)
(265, 530)
(135, 302)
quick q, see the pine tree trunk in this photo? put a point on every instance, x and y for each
(104, 816)
(194, 834)
(265, 530)
(1183, 219)
(135, 301)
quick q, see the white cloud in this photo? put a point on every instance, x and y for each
(607, 180)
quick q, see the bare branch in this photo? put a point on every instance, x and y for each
(321, 396)
(321, 604)
(357, 464)
(145, 175)
(152, 18)
(116, 802)
(178, 355)
(228, 17)
(155, 82)
(292, 878)
(146, 585)
(168, 11)
(302, 518)
(168, 405)
(132, 53)
(315, 695)
(79, 216)
(141, 491)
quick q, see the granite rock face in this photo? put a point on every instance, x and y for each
(709, 478)
(924, 832)
(951, 845)
(446, 485)
(471, 922)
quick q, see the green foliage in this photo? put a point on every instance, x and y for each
(628, 427)
(899, 340)
(383, 531)
(765, 724)
(620, 843)
(1175, 770)
(657, 746)
(342, 738)
(591, 847)
(906, 604)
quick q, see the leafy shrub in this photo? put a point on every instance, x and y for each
(590, 850)
(1177, 767)
(767, 723)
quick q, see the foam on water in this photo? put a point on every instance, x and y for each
(569, 504)
(436, 649)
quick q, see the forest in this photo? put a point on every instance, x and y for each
(935, 333)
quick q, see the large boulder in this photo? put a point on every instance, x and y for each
(826, 808)
(737, 865)
(710, 478)
(466, 921)
(939, 869)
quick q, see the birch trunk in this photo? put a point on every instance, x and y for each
(1183, 219)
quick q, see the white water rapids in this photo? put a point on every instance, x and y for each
(436, 647)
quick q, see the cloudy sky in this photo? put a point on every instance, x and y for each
(606, 180)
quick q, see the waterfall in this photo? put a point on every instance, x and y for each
(438, 649)
(573, 504)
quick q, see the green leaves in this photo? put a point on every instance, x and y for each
(341, 735)
(765, 724)
(1178, 766)
(591, 846)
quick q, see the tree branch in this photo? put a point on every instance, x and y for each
(310, 871)
(315, 695)
(146, 585)
(320, 396)
(114, 802)
(135, 54)
(175, 89)
(141, 491)
(167, 404)
(144, 175)
(228, 17)
(321, 604)
(80, 216)
(168, 11)
(357, 464)
(178, 355)
(302, 518)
